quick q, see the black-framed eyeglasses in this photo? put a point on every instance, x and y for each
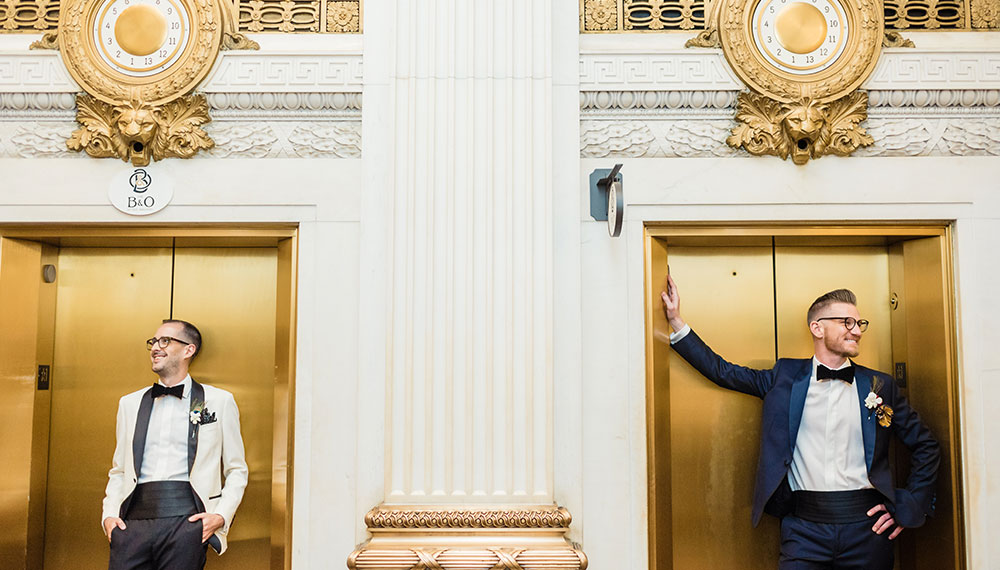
(849, 322)
(163, 342)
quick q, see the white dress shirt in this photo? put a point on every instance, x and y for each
(165, 457)
(829, 453)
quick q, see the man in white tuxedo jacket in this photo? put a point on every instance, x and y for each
(178, 472)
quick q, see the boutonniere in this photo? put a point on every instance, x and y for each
(875, 406)
(202, 416)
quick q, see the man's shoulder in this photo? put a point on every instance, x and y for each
(135, 395)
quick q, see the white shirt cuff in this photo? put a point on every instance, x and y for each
(676, 336)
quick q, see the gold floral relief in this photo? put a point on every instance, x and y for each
(985, 14)
(600, 15)
(343, 16)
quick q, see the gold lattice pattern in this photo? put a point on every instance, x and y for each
(335, 16)
(683, 15)
(342, 16)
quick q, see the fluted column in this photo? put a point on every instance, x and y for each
(463, 211)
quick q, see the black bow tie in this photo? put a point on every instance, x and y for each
(845, 374)
(161, 390)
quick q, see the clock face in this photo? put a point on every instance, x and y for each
(141, 38)
(800, 37)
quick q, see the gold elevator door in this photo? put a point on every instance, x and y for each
(747, 298)
(109, 300)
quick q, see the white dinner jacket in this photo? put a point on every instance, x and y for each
(218, 443)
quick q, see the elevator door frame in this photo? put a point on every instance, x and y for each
(812, 234)
(283, 237)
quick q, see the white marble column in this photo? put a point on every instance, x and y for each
(461, 113)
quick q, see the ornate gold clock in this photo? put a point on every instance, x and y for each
(138, 60)
(803, 61)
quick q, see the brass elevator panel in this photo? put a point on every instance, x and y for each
(111, 299)
(746, 292)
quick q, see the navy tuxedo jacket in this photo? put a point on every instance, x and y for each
(783, 389)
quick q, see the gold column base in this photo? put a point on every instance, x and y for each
(441, 538)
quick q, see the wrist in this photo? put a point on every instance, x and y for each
(677, 324)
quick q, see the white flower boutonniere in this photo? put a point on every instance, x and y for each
(196, 416)
(202, 416)
(874, 403)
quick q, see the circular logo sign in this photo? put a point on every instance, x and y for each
(141, 191)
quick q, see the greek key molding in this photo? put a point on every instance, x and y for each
(894, 136)
(396, 518)
(34, 72)
(704, 70)
(673, 70)
(255, 72)
(912, 68)
(233, 139)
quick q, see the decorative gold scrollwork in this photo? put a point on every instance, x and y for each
(896, 39)
(803, 130)
(136, 132)
(50, 40)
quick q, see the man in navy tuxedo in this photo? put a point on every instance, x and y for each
(824, 447)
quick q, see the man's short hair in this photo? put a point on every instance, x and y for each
(835, 296)
(191, 333)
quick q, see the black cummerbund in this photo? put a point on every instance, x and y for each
(162, 499)
(837, 507)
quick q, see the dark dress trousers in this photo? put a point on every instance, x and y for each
(783, 389)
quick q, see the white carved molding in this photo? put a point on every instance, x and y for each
(285, 105)
(669, 70)
(233, 139)
(24, 71)
(257, 72)
(682, 69)
(958, 135)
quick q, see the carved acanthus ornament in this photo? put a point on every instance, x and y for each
(896, 39)
(416, 538)
(50, 40)
(137, 132)
(801, 130)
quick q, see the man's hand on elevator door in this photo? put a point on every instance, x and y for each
(672, 305)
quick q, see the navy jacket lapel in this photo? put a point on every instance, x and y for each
(197, 404)
(797, 399)
(863, 380)
(141, 427)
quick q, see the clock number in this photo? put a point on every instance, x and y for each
(172, 42)
(779, 51)
(126, 2)
(107, 26)
(770, 9)
(175, 25)
(832, 39)
(170, 11)
(109, 41)
(114, 10)
(768, 39)
(793, 59)
(118, 53)
(148, 61)
(823, 51)
(163, 53)
(826, 9)
(131, 61)
(834, 23)
(810, 59)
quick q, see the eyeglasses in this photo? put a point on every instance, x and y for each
(849, 322)
(163, 342)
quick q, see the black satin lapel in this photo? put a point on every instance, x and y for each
(197, 403)
(141, 427)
